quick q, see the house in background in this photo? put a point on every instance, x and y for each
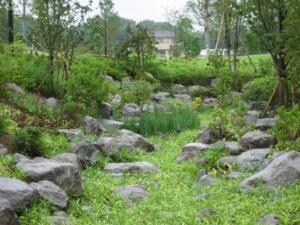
(166, 42)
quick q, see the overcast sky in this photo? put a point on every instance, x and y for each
(139, 10)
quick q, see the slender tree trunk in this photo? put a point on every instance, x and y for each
(207, 27)
(10, 22)
(105, 35)
(236, 44)
(219, 32)
(227, 33)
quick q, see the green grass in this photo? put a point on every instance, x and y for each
(161, 121)
(172, 196)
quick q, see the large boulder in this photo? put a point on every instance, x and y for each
(233, 147)
(227, 161)
(17, 193)
(131, 193)
(251, 117)
(252, 159)
(131, 110)
(7, 214)
(257, 139)
(211, 102)
(69, 158)
(160, 96)
(125, 139)
(51, 192)
(65, 175)
(3, 150)
(190, 151)
(133, 167)
(266, 123)
(111, 125)
(282, 171)
(209, 136)
(183, 97)
(86, 152)
(92, 126)
(178, 89)
(106, 111)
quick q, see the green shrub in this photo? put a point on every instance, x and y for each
(287, 128)
(72, 110)
(260, 89)
(159, 121)
(138, 92)
(3, 124)
(87, 88)
(27, 141)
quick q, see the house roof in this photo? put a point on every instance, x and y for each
(164, 34)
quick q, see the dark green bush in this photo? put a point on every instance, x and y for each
(3, 124)
(287, 128)
(72, 111)
(27, 141)
(259, 89)
(176, 119)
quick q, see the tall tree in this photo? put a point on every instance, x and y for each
(267, 19)
(201, 10)
(10, 16)
(106, 9)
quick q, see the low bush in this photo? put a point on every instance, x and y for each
(259, 89)
(27, 141)
(287, 129)
(176, 119)
(72, 110)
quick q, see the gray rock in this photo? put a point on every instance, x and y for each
(116, 100)
(7, 214)
(51, 102)
(206, 180)
(282, 171)
(257, 139)
(197, 90)
(65, 175)
(131, 110)
(108, 78)
(92, 126)
(191, 151)
(125, 139)
(17, 193)
(202, 161)
(132, 193)
(59, 218)
(266, 123)
(111, 125)
(3, 150)
(270, 220)
(71, 134)
(69, 158)
(211, 102)
(160, 96)
(233, 147)
(20, 158)
(204, 213)
(251, 117)
(106, 111)
(179, 89)
(15, 88)
(227, 161)
(268, 160)
(252, 159)
(51, 192)
(209, 136)
(133, 167)
(235, 175)
(86, 152)
(183, 97)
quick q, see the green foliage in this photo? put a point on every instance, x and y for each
(138, 91)
(197, 103)
(8, 168)
(287, 129)
(27, 141)
(259, 89)
(54, 144)
(72, 110)
(176, 119)
(3, 124)
(87, 88)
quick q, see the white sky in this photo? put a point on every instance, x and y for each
(139, 10)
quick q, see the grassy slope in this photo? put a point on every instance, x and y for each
(172, 195)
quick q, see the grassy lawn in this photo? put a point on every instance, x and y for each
(172, 195)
